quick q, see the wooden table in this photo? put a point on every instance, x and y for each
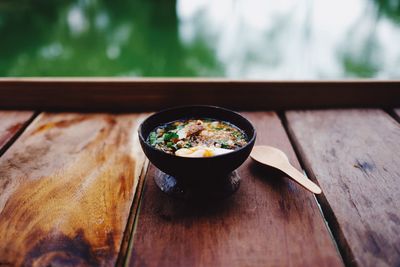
(76, 189)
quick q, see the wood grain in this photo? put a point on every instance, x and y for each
(126, 242)
(66, 188)
(355, 155)
(154, 94)
(270, 221)
(11, 123)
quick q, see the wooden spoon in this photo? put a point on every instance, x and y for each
(275, 158)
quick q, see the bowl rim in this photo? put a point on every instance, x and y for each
(249, 143)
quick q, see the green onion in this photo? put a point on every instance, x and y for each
(237, 134)
(170, 135)
(152, 138)
(224, 145)
(187, 145)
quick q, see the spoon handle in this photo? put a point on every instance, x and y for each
(302, 180)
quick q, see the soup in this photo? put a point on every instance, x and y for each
(197, 138)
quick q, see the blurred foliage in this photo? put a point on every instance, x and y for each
(142, 38)
(361, 57)
(389, 8)
(98, 38)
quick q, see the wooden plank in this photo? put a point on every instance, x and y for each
(11, 123)
(355, 155)
(126, 242)
(270, 221)
(66, 189)
(150, 94)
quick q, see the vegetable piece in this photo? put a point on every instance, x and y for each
(237, 134)
(170, 135)
(188, 145)
(153, 138)
(225, 145)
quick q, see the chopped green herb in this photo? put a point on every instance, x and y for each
(224, 145)
(187, 145)
(152, 138)
(237, 134)
(170, 135)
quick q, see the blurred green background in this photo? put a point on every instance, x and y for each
(244, 39)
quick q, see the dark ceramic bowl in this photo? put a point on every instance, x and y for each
(195, 169)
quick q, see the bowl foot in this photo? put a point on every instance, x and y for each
(198, 191)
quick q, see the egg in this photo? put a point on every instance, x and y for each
(220, 151)
(201, 152)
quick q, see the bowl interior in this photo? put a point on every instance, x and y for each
(188, 112)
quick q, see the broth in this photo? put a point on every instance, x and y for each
(197, 138)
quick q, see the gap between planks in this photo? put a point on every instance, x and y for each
(326, 210)
(395, 113)
(16, 129)
(127, 242)
(308, 173)
(363, 240)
